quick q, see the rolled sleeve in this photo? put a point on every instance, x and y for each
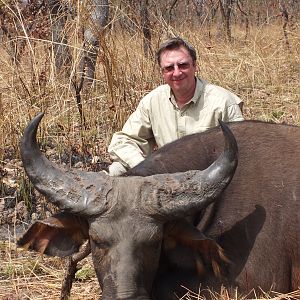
(133, 143)
(234, 113)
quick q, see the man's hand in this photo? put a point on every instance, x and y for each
(116, 169)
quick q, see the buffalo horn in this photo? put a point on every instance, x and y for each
(181, 194)
(70, 191)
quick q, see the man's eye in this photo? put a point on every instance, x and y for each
(169, 68)
(180, 66)
(183, 66)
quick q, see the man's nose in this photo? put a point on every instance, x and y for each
(177, 70)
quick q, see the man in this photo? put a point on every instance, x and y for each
(184, 105)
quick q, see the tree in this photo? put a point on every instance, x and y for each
(226, 7)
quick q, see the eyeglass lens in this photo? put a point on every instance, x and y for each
(181, 66)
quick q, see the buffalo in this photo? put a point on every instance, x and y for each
(126, 219)
(255, 220)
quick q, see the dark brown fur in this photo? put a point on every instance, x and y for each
(256, 221)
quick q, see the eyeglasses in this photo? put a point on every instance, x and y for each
(181, 66)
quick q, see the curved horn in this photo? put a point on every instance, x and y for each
(71, 191)
(181, 194)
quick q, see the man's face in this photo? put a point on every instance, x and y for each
(178, 70)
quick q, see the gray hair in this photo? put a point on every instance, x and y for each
(175, 43)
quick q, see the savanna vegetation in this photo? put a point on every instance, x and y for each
(249, 47)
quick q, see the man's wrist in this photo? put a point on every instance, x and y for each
(116, 169)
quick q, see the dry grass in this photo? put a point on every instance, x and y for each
(262, 70)
(25, 275)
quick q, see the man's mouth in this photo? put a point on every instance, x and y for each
(177, 79)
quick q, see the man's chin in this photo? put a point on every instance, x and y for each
(177, 83)
(177, 87)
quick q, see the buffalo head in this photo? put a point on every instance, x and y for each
(123, 217)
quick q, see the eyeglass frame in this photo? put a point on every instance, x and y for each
(182, 66)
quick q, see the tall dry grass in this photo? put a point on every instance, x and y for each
(262, 70)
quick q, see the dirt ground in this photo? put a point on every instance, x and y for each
(24, 274)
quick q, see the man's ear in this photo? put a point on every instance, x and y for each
(197, 67)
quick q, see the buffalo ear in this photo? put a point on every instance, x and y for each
(184, 233)
(60, 235)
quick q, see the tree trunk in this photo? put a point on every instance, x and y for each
(285, 20)
(145, 24)
(225, 9)
(60, 41)
(99, 12)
